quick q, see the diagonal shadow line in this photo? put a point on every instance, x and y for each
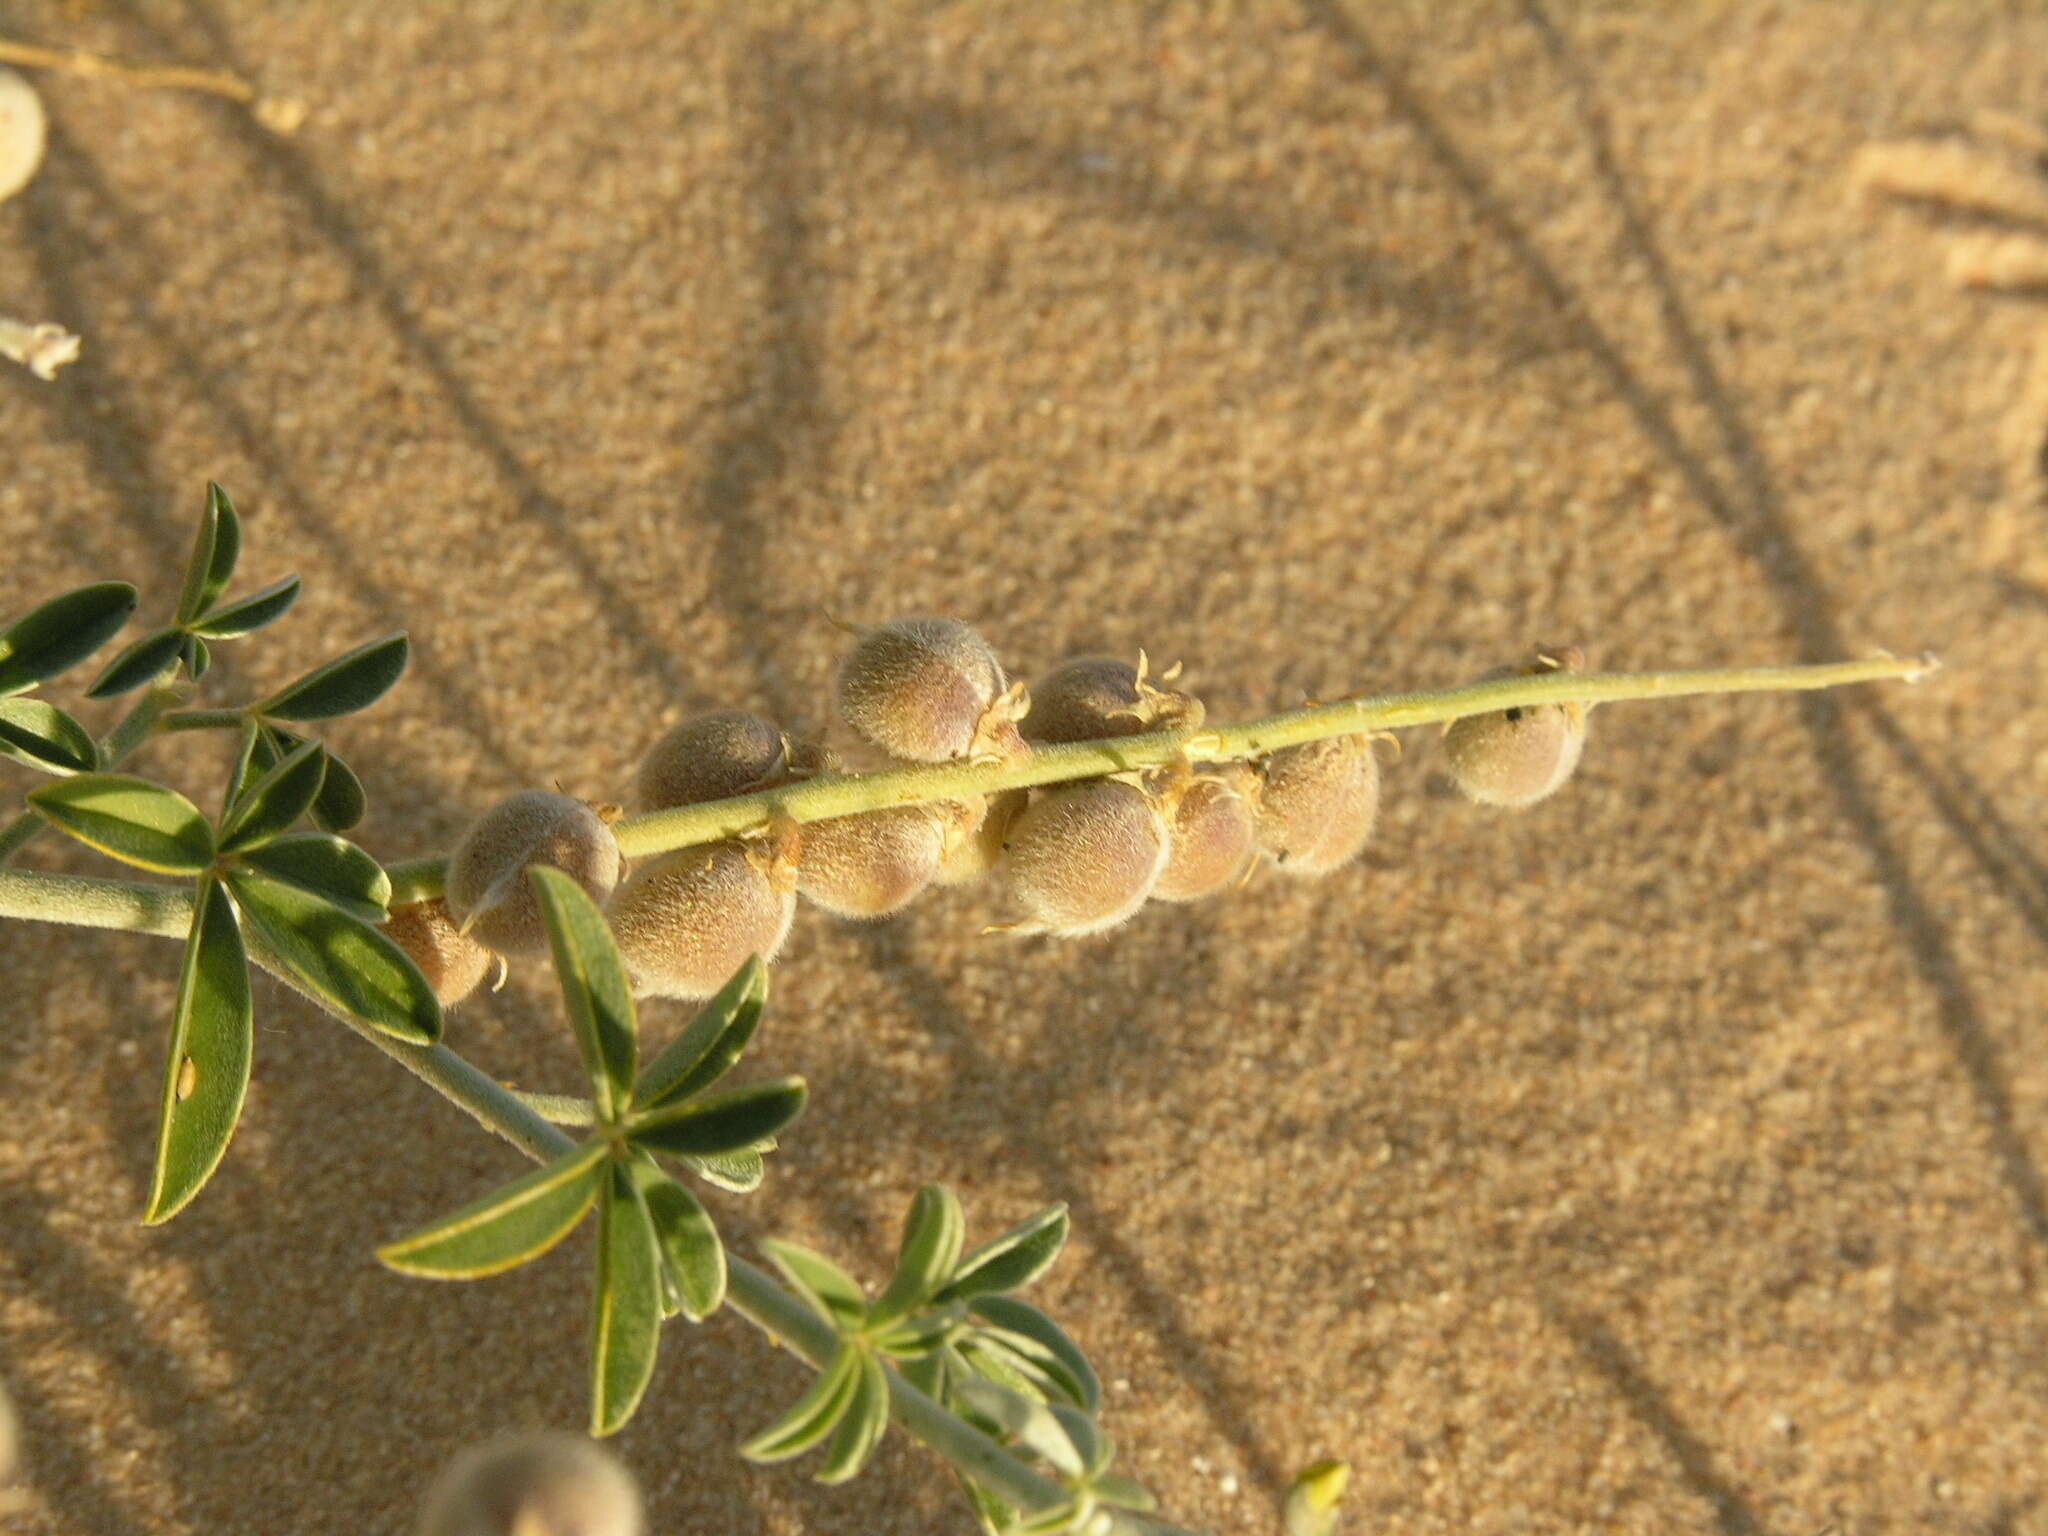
(1652, 1409)
(55, 238)
(1760, 530)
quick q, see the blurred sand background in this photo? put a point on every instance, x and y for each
(1666, 1159)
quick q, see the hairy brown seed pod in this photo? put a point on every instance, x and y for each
(1083, 857)
(876, 862)
(453, 962)
(1213, 837)
(713, 756)
(929, 691)
(545, 1484)
(24, 131)
(1516, 757)
(977, 847)
(487, 890)
(1317, 803)
(687, 920)
(1093, 697)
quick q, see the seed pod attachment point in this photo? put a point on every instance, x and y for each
(544, 1484)
(1083, 857)
(685, 921)
(486, 888)
(1316, 804)
(976, 844)
(1091, 698)
(1515, 757)
(929, 690)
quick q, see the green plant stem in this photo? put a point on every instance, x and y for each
(129, 733)
(521, 1119)
(844, 794)
(205, 720)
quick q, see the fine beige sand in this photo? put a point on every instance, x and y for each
(1668, 1158)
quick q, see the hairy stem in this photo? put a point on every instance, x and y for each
(129, 733)
(844, 794)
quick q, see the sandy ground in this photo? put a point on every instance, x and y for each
(1666, 1159)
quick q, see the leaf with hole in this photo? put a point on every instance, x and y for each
(248, 614)
(342, 961)
(206, 1072)
(815, 1414)
(344, 685)
(932, 1235)
(861, 1429)
(519, 1221)
(690, 1250)
(329, 867)
(141, 662)
(720, 1122)
(55, 636)
(215, 549)
(625, 1320)
(1011, 1261)
(593, 981)
(43, 737)
(827, 1289)
(710, 1043)
(129, 819)
(267, 808)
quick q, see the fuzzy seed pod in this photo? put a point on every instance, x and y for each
(877, 862)
(24, 130)
(712, 756)
(687, 920)
(1213, 839)
(977, 846)
(1317, 803)
(1515, 757)
(547, 1484)
(929, 691)
(1083, 857)
(1093, 697)
(486, 887)
(453, 962)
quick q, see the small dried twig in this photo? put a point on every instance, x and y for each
(41, 349)
(281, 114)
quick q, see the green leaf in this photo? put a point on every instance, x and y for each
(131, 819)
(690, 1250)
(330, 867)
(57, 635)
(720, 1122)
(919, 1337)
(1313, 1497)
(739, 1172)
(253, 759)
(1124, 1492)
(625, 1319)
(246, 615)
(344, 685)
(342, 801)
(197, 656)
(995, 1516)
(142, 661)
(215, 550)
(1030, 1422)
(517, 1222)
(932, 1235)
(827, 1289)
(1090, 1442)
(206, 1073)
(861, 1430)
(43, 737)
(341, 960)
(267, 808)
(710, 1043)
(594, 986)
(1013, 1260)
(1037, 1342)
(815, 1413)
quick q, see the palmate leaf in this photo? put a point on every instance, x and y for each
(717, 1123)
(266, 808)
(625, 1318)
(43, 737)
(520, 1221)
(815, 1414)
(215, 549)
(863, 1425)
(341, 802)
(57, 635)
(594, 986)
(710, 1043)
(932, 1235)
(246, 615)
(342, 961)
(130, 819)
(141, 661)
(690, 1250)
(206, 1071)
(352, 681)
(329, 867)
(1011, 1261)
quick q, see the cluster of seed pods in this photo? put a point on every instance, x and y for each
(1073, 858)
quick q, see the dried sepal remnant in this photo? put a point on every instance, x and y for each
(713, 756)
(877, 862)
(1213, 833)
(453, 963)
(1516, 757)
(24, 132)
(1317, 804)
(929, 690)
(539, 1484)
(977, 845)
(685, 921)
(486, 887)
(1084, 857)
(1091, 698)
